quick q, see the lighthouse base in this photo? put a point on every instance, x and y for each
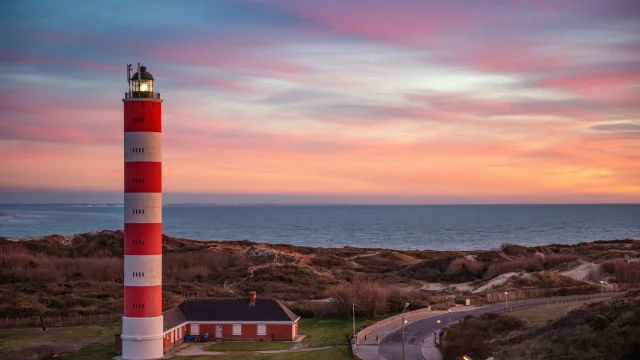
(142, 338)
(142, 349)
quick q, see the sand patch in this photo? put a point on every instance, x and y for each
(581, 272)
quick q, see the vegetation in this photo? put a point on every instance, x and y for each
(598, 330)
(30, 343)
(248, 346)
(82, 274)
(322, 354)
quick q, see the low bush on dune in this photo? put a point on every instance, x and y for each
(470, 337)
(624, 271)
(603, 330)
(516, 250)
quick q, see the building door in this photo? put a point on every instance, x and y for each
(219, 331)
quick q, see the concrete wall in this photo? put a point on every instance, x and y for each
(394, 319)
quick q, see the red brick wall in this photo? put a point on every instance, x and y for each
(178, 339)
(249, 331)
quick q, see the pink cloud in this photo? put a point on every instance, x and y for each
(597, 84)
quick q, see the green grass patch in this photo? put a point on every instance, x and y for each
(104, 350)
(249, 346)
(324, 354)
(321, 332)
(6, 343)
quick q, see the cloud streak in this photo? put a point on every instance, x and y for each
(472, 100)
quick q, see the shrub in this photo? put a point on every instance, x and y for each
(624, 271)
(515, 250)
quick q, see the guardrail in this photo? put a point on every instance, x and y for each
(397, 318)
(553, 300)
(142, 95)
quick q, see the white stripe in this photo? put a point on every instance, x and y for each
(141, 327)
(143, 208)
(142, 146)
(134, 349)
(142, 270)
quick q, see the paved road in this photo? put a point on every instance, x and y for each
(390, 347)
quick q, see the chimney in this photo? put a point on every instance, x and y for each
(252, 298)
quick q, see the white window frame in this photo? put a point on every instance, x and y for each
(237, 329)
(262, 327)
(195, 329)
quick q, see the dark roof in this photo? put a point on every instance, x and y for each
(172, 318)
(143, 74)
(236, 310)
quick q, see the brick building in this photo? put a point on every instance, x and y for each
(230, 319)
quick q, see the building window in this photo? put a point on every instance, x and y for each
(237, 329)
(262, 329)
(195, 329)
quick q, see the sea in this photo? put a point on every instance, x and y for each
(439, 227)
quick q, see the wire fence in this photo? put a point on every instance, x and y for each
(548, 301)
(60, 320)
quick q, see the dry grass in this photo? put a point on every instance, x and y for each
(542, 315)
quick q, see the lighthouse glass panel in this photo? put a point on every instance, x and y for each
(141, 85)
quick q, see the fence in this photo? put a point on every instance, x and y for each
(549, 301)
(558, 291)
(60, 320)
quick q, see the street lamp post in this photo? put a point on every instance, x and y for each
(602, 286)
(406, 305)
(506, 301)
(449, 317)
(354, 319)
(438, 322)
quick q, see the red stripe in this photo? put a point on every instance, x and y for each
(143, 116)
(142, 239)
(142, 177)
(142, 301)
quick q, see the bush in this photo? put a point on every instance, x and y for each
(624, 271)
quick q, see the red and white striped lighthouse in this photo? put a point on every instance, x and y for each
(142, 322)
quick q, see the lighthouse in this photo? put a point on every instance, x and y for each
(142, 330)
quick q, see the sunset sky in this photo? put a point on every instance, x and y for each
(483, 101)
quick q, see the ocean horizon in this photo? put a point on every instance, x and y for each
(438, 227)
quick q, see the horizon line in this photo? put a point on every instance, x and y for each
(324, 204)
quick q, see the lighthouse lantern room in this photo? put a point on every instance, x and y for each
(142, 326)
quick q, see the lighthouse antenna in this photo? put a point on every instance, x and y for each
(129, 78)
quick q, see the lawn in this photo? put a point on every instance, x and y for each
(321, 354)
(104, 350)
(21, 343)
(318, 333)
(249, 346)
(541, 315)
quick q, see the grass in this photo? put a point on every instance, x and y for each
(21, 343)
(541, 315)
(318, 333)
(104, 350)
(249, 346)
(322, 354)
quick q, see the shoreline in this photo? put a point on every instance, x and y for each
(66, 239)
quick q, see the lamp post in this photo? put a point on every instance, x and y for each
(406, 305)
(506, 300)
(438, 322)
(602, 286)
(354, 319)
(449, 317)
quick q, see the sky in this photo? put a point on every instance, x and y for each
(291, 101)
